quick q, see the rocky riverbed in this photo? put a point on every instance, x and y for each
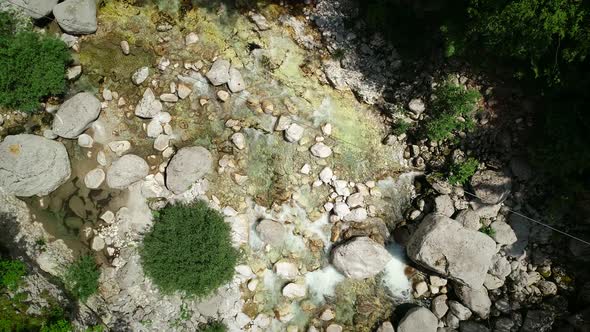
(339, 226)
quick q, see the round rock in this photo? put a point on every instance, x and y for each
(126, 170)
(75, 115)
(94, 178)
(32, 165)
(360, 258)
(186, 167)
(76, 17)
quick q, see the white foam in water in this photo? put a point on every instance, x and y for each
(322, 282)
(393, 276)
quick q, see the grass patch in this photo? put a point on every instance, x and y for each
(488, 230)
(451, 103)
(460, 173)
(213, 327)
(81, 278)
(189, 249)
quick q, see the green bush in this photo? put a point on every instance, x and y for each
(81, 278)
(189, 249)
(461, 172)
(32, 66)
(11, 273)
(451, 102)
(488, 230)
(213, 327)
(542, 34)
(14, 306)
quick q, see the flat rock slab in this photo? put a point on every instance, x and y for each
(126, 170)
(444, 246)
(76, 17)
(188, 165)
(75, 115)
(32, 165)
(360, 258)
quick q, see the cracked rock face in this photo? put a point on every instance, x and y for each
(443, 245)
(32, 165)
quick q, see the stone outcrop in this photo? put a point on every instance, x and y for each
(188, 165)
(76, 17)
(126, 170)
(360, 258)
(491, 187)
(444, 246)
(75, 115)
(32, 165)
(418, 319)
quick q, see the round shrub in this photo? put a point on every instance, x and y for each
(189, 249)
(32, 66)
(81, 278)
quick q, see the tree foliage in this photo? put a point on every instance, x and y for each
(545, 34)
(189, 249)
(452, 109)
(461, 172)
(32, 66)
(81, 278)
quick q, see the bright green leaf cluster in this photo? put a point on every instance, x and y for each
(11, 273)
(451, 103)
(81, 278)
(189, 249)
(32, 66)
(461, 172)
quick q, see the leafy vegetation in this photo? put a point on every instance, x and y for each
(452, 109)
(32, 66)
(14, 305)
(461, 172)
(81, 278)
(488, 230)
(189, 249)
(213, 327)
(11, 272)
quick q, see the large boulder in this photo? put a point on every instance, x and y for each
(475, 299)
(444, 246)
(418, 319)
(32, 165)
(75, 115)
(187, 166)
(360, 258)
(36, 8)
(76, 17)
(126, 170)
(491, 187)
